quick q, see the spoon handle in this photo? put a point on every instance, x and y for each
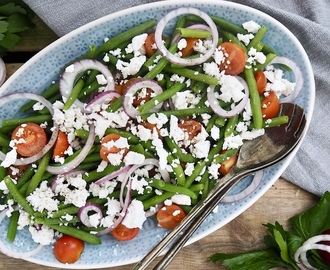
(195, 217)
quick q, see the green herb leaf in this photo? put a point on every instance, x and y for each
(260, 259)
(18, 22)
(11, 8)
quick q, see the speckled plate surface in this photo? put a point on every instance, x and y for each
(41, 70)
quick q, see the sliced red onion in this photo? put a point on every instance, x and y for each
(297, 73)
(176, 59)
(66, 167)
(217, 109)
(83, 213)
(247, 191)
(113, 175)
(12, 253)
(300, 255)
(19, 96)
(102, 98)
(130, 110)
(67, 80)
(199, 26)
(3, 71)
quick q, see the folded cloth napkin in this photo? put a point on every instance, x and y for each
(310, 23)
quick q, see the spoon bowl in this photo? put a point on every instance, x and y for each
(264, 151)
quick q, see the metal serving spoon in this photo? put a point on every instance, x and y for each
(254, 155)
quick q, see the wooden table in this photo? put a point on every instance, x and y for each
(245, 233)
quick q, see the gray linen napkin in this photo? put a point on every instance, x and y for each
(308, 20)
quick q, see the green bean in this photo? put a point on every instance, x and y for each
(226, 155)
(254, 98)
(77, 233)
(230, 126)
(193, 74)
(232, 38)
(200, 166)
(17, 196)
(182, 112)
(276, 121)
(26, 176)
(177, 152)
(14, 122)
(114, 42)
(157, 199)
(94, 175)
(162, 185)
(257, 37)
(177, 168)
(115, 105)
(4, 140)
(193, 33)
(205, 181)
(12, 227)
(168, 93)
(37, 178)
(74, 94)
(269, 58)
(228, 26)
(159, 67)
(48, 221)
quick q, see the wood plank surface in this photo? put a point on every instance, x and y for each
(244, 233)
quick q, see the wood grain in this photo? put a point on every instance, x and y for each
(244, 233)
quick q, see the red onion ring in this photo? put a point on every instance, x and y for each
(66, 82)
(83, 213)
(129, 109)
(101, 98)
(297, 73)
(3, 71)
(310, 244)
(14, 254)
(112, 175)
(247, 191)
(217, 109)
(19, 96)
(185, 61)
(66, 167)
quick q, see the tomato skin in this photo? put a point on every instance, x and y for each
(261, 80)
(324, 254)
(122, 233)
(150, 44)
(170, 216)
(61, 145)
(104, 151)
(226, 166)
(189, 49)
(270, 105)
(235, 58)
(192, 127)
(29, 139)
(68, 249)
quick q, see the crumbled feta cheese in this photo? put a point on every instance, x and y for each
(251, 26)
(133, 158)
(43, 236)
(135, 215)
(181, 199)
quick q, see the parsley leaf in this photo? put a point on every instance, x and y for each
(15, 17)
(282, 244)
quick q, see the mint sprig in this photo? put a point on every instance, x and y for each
(15, 17)
(281, 244)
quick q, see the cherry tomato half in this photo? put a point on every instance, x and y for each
(122, 233)
(192, 127)
(189, 49)
(29, 139)
(270, 105)
(105, 151)
(170, 216)
(68, 249)
(226, 166)
(235, 58)
(261, 80)
(61, 145)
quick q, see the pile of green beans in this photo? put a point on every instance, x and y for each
(86, 84)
